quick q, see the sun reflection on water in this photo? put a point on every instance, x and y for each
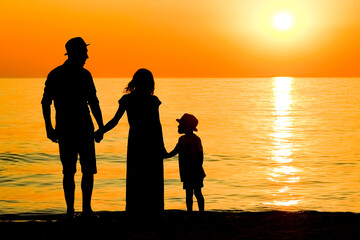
(282, 174)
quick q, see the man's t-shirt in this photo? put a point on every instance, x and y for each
(72, 89)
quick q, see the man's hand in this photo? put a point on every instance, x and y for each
(51, 134)
(98, 136)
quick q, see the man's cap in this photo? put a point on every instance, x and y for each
(75, 44)
(189, 120)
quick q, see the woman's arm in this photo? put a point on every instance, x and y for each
(111, 124)
(115, 120)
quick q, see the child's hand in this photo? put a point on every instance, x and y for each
(170, 154)
(98, 136)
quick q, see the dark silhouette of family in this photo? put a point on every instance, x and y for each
(72, 90)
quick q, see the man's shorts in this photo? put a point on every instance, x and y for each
(71, 147)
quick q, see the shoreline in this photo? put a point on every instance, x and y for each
(177, 224)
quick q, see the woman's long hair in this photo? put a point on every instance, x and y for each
(142, 81)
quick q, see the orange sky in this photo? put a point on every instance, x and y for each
(188, 38)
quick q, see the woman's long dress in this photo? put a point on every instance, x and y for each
(145, 171)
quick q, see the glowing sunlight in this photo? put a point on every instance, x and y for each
(283, 21)
(282, 172)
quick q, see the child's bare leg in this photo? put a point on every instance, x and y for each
(200, 199)
(189, 199)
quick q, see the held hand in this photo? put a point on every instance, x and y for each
(51, 134)
(165, 154)
(98, 136)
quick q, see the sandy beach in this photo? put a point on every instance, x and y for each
(179, 225)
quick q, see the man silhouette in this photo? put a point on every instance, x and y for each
(72, 89)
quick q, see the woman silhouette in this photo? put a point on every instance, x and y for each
(145, 174)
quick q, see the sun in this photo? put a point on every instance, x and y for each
(283, 21)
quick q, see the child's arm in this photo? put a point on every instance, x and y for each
(173, 152)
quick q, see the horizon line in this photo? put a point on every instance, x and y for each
(229, 77)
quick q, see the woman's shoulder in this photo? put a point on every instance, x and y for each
(153, 99)
(124, 98)
(156, 99)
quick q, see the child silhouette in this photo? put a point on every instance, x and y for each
(191, 159)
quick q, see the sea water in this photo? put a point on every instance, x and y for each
(269, 144)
